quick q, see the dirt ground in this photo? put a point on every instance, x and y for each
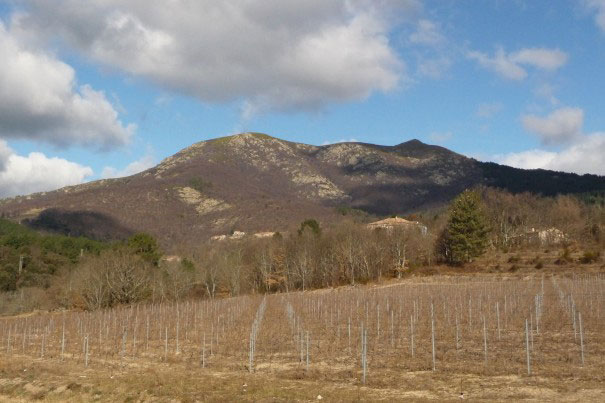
(27, 379)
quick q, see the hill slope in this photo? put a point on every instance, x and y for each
(253, 182)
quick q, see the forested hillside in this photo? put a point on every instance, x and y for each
(30, 259)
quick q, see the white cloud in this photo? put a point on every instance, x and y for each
(162, 100)
(547, 91)
(488, 110)
(440, 137)
(509, 65)
(585, 156)
(434, 58)
(547, 59)
(5, 153)
(531, 159)
(271, 54)
(36, 172)
(134, 167)
(40, 100)
(599, 7)
(351, 140)
(435, 67)
(561, 126)
(500, 64)
(427, 33)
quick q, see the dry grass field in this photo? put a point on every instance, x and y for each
(490, 337)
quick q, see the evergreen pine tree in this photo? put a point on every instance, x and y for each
(466, 234)
(145, 246)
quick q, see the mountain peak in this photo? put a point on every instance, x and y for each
(254, 182)
(243, 136)
(417, 149)
(234, 143)
(257, 135)
(412, 142)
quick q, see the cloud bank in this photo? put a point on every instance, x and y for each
(584, 153)
(586, 156)
(36, 172)
(270, 54)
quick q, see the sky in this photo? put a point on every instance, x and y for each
(93, 89)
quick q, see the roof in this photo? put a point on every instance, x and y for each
(393, 222)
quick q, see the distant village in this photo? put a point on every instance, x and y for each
(388, 224)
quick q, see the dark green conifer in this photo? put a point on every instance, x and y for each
(466, 234)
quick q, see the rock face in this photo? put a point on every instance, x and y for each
(252, 182)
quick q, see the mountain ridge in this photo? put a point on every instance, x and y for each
(254, 182)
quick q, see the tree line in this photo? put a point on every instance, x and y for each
(313, 256)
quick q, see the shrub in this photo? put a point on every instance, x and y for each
(114, 277)
(145, 246)
(199, 184)
(590, 257)
(564, 257)
(312, 224)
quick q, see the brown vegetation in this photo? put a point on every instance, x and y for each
(319, 256)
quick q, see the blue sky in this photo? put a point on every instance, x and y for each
(103, 88)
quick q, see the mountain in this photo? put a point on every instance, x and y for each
(253, 182)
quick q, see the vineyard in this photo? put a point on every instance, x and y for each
(548, 327)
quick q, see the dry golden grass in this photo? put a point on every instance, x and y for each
(26, 379)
